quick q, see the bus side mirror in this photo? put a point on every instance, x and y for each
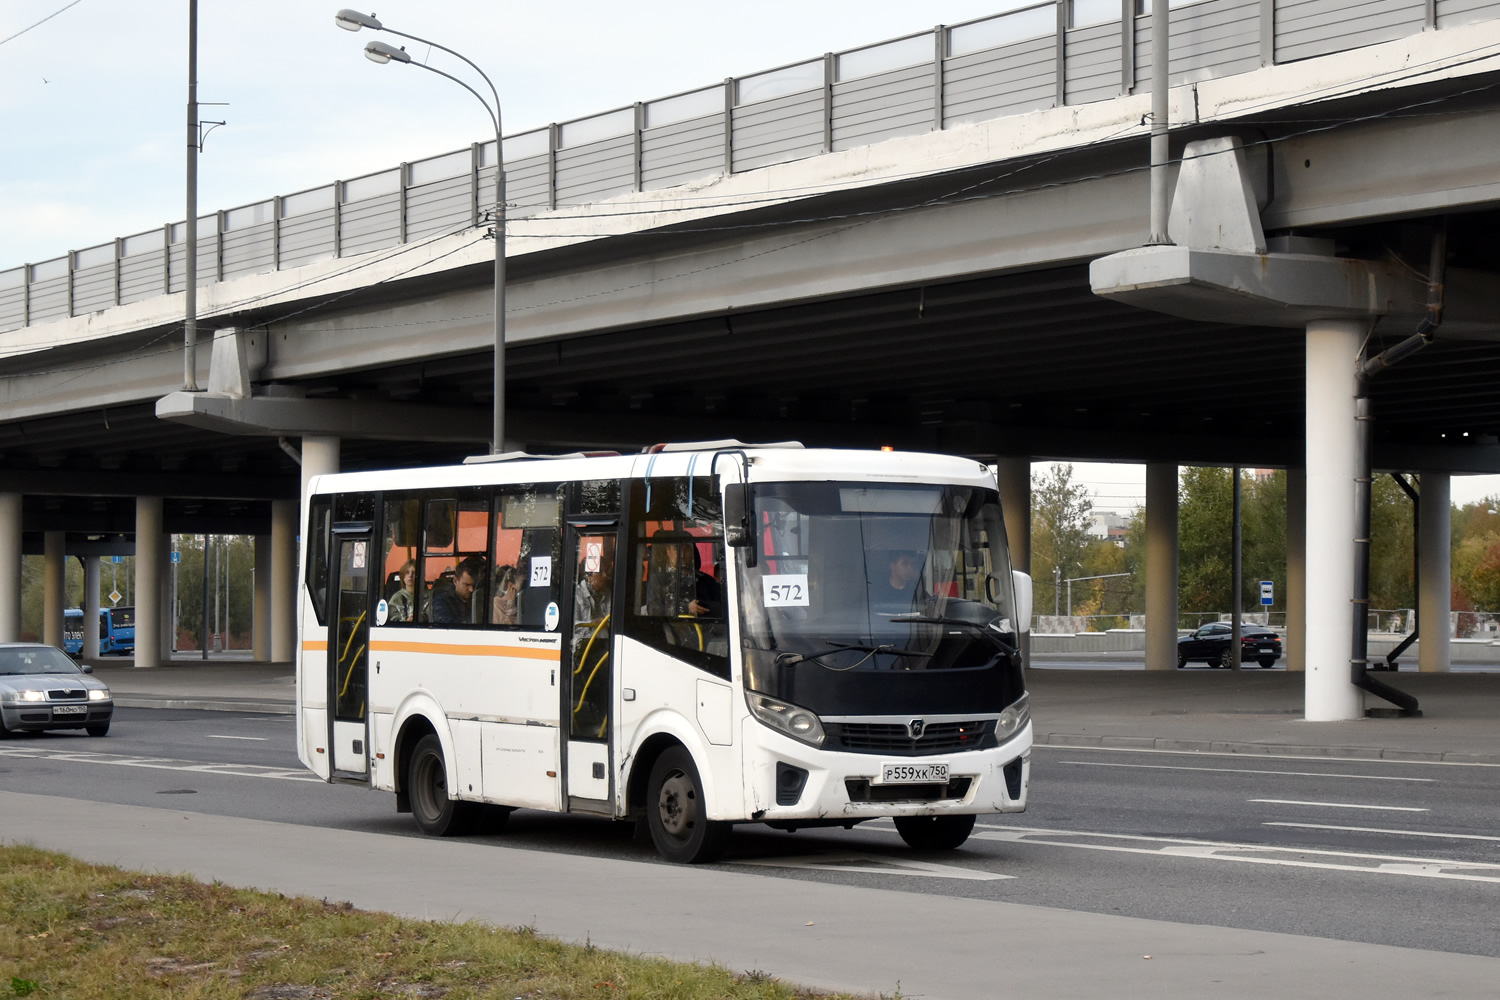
(739, 515)
(1022, 582)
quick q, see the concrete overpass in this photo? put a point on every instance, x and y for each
(929, 243)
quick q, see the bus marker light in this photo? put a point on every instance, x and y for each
(380, 756)
(320, 749)
(551, 774)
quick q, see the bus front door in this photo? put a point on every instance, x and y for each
(349, 654)
(588, 691)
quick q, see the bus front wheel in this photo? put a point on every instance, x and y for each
(934, 833)
(427, 785)
(675, 811)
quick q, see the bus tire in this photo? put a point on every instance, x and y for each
(675, 810)
(934, 833)
(427, 785)
(102, 729)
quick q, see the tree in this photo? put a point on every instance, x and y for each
(1204, 534)
(1060, 515)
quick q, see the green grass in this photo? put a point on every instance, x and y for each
(80, 931)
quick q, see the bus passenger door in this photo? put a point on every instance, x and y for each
(348, 652)
(588, 688)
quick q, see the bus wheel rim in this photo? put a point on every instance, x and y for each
(677, 804)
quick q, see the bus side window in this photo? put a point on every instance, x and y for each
(403, 531)
(320, 510)
(438, 559)
(675, 599)
(526, 552)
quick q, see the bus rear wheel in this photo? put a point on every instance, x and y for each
(934, 833)
(427, 785)
(675, 812)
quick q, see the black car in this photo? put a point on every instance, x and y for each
(1210, 644)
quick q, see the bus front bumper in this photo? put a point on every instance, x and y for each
(786, 780)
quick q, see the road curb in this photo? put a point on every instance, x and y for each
(1293, 749)
(206, 704)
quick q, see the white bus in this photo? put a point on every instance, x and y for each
(693, 637)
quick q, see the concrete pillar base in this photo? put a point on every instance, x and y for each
(54, 573)
(90, 605)
(1296, 569)
(10, 567)
(1161, 567)
(1435, 572)
(1332, 346)
(148, 580)
(284, 518)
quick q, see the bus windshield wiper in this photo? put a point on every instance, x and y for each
(988, 628)
(788, 659)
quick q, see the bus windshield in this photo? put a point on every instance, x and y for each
(859, 577)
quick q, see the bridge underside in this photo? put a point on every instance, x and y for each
(1024, 363)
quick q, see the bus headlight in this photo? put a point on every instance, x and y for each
(33, 696)
(1013, 718)
(99, 694)
(798, 723)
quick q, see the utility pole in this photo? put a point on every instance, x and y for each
(190, 226)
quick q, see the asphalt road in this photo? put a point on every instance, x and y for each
(1376, 851)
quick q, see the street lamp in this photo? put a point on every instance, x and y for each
(380, 52)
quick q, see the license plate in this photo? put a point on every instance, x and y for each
(912, 774)
(70, 709)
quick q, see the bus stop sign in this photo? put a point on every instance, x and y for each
(1267, 593)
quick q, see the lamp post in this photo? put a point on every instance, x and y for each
(380, 52)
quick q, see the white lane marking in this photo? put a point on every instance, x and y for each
(1399, 833)
(262, 739)
(1255, 854)
(876, 865)
(1339, 805)
(1245, 770)
(1265, 756)
(164, 764)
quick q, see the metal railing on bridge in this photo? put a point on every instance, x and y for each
(1035, 56)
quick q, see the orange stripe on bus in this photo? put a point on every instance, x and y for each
(315, 645)
(447, 649)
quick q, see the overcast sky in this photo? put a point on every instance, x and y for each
(92, 101)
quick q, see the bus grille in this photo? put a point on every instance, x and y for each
(894, 738)
(861, 790)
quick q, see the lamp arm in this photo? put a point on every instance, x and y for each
(457, 55)
(493, 120)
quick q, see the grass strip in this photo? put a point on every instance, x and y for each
(69, 929)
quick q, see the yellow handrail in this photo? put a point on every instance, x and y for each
(590, 645)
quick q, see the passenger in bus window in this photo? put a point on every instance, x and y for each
(403, 602)
(506, 610)
(455, 606)
(707, 600)
(591, 599)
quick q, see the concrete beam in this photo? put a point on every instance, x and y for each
(185, 486)
(281, 416)
(1291, 289)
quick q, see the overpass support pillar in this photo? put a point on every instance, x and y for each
(90, 604)
(260, 629)
(1161, 566)
(10, 567)
(1013, 476)
(1434, 572)
(1296, 569)
(283, 611)
(1332, 347)
(320, 457)
(54, 573)
(148, 581)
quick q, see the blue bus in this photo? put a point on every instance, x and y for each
(116, 631)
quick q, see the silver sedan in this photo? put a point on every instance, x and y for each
(42, 688)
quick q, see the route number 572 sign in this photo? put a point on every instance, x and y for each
(784, 590)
